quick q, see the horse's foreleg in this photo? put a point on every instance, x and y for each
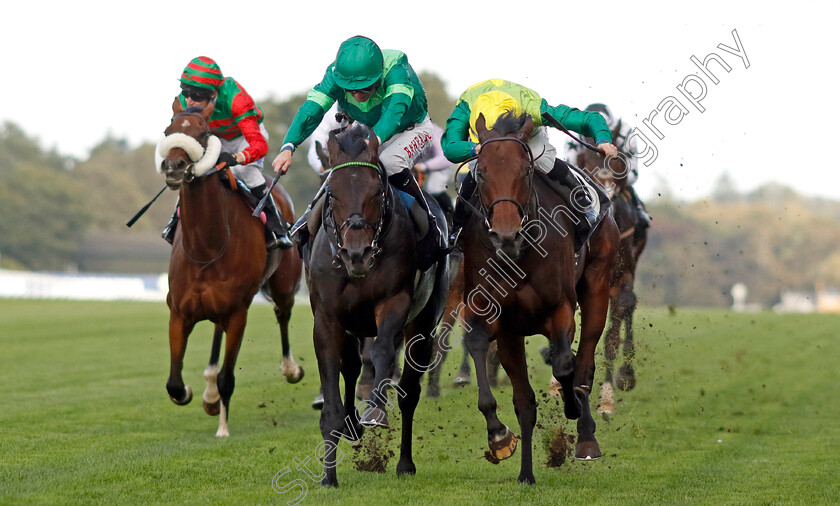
(390, 322)
(351, 365)
(512, 358)
(563, 359)
(368, 371)
(234, 329)
(179, 331)
(593, 296)
(501, 440)
(329, 340)
(283, 313)
(211, 398)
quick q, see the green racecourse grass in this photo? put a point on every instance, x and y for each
(729, 409)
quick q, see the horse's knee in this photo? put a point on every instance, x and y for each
(563, 363)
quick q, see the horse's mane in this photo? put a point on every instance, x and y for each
(351, 140)
(508, 123)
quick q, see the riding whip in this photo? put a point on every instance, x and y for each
(144, 209)
(259, 208)
(556, 124)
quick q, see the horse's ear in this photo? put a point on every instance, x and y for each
(332, 146)
(323, 156)
(527, 129)
(208, 111)
(373, 145)
(480, 125)
(176, 107)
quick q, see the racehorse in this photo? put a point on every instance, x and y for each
(522, 277)
(364, 283)
(632, 243)
(218, 261)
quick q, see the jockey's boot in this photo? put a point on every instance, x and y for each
(405, 181)
(580, 201)
(276, 235)
(642, 217)
(462, 212)
(168, 233)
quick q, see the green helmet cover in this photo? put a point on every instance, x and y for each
(358, 63)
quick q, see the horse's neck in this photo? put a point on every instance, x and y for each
(205, 219)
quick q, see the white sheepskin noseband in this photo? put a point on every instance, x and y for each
(204, 159)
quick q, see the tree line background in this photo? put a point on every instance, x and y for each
(62, 214)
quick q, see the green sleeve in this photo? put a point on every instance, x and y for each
(455, 140)
(399, 93)
(588, 123)
(309, 115)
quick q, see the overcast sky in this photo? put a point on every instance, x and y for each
(75, 72)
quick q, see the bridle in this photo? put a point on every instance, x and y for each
(336, 234)
(202, 155)
(485, 211)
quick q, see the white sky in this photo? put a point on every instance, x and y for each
(74, 72)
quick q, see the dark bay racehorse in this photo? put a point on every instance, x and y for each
(622, 297)
(364, 283)
(218, 261)
(521, 277)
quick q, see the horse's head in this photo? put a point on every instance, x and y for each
(504, 171)
(612, 177)
(188, 149)
(356, 192)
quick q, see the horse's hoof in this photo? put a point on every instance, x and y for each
(587, 450)
(607, 406)
(527, 479)
(461, 380)
(374, 417)
(554, 387)
(212, 408)
(318, 402)
(406, 468)
(294, 376)
(187, 397)
(625, 379)
(223, 432)
(505, 446)
(326, 482)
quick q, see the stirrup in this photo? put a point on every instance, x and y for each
(278, 241)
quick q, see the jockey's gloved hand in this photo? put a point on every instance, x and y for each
(227, 159)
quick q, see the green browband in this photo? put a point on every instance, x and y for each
(364, 164)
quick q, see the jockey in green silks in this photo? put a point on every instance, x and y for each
(494, 97)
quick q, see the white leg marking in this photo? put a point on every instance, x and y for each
(211, 393)
(223, 426)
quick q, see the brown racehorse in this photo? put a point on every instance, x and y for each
(622, 297)
(364, 283)
(218, 262)
(521, 277)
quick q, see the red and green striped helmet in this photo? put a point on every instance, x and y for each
(204, 73)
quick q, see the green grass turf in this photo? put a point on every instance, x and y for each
(729, 409)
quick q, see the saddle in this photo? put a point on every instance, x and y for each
(583, 230)
(229, 177)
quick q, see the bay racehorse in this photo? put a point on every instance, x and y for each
(614, 180)
(522, 277)
(364, 283)
(219, 261)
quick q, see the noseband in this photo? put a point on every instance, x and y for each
(356, 221)
(202, 157)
